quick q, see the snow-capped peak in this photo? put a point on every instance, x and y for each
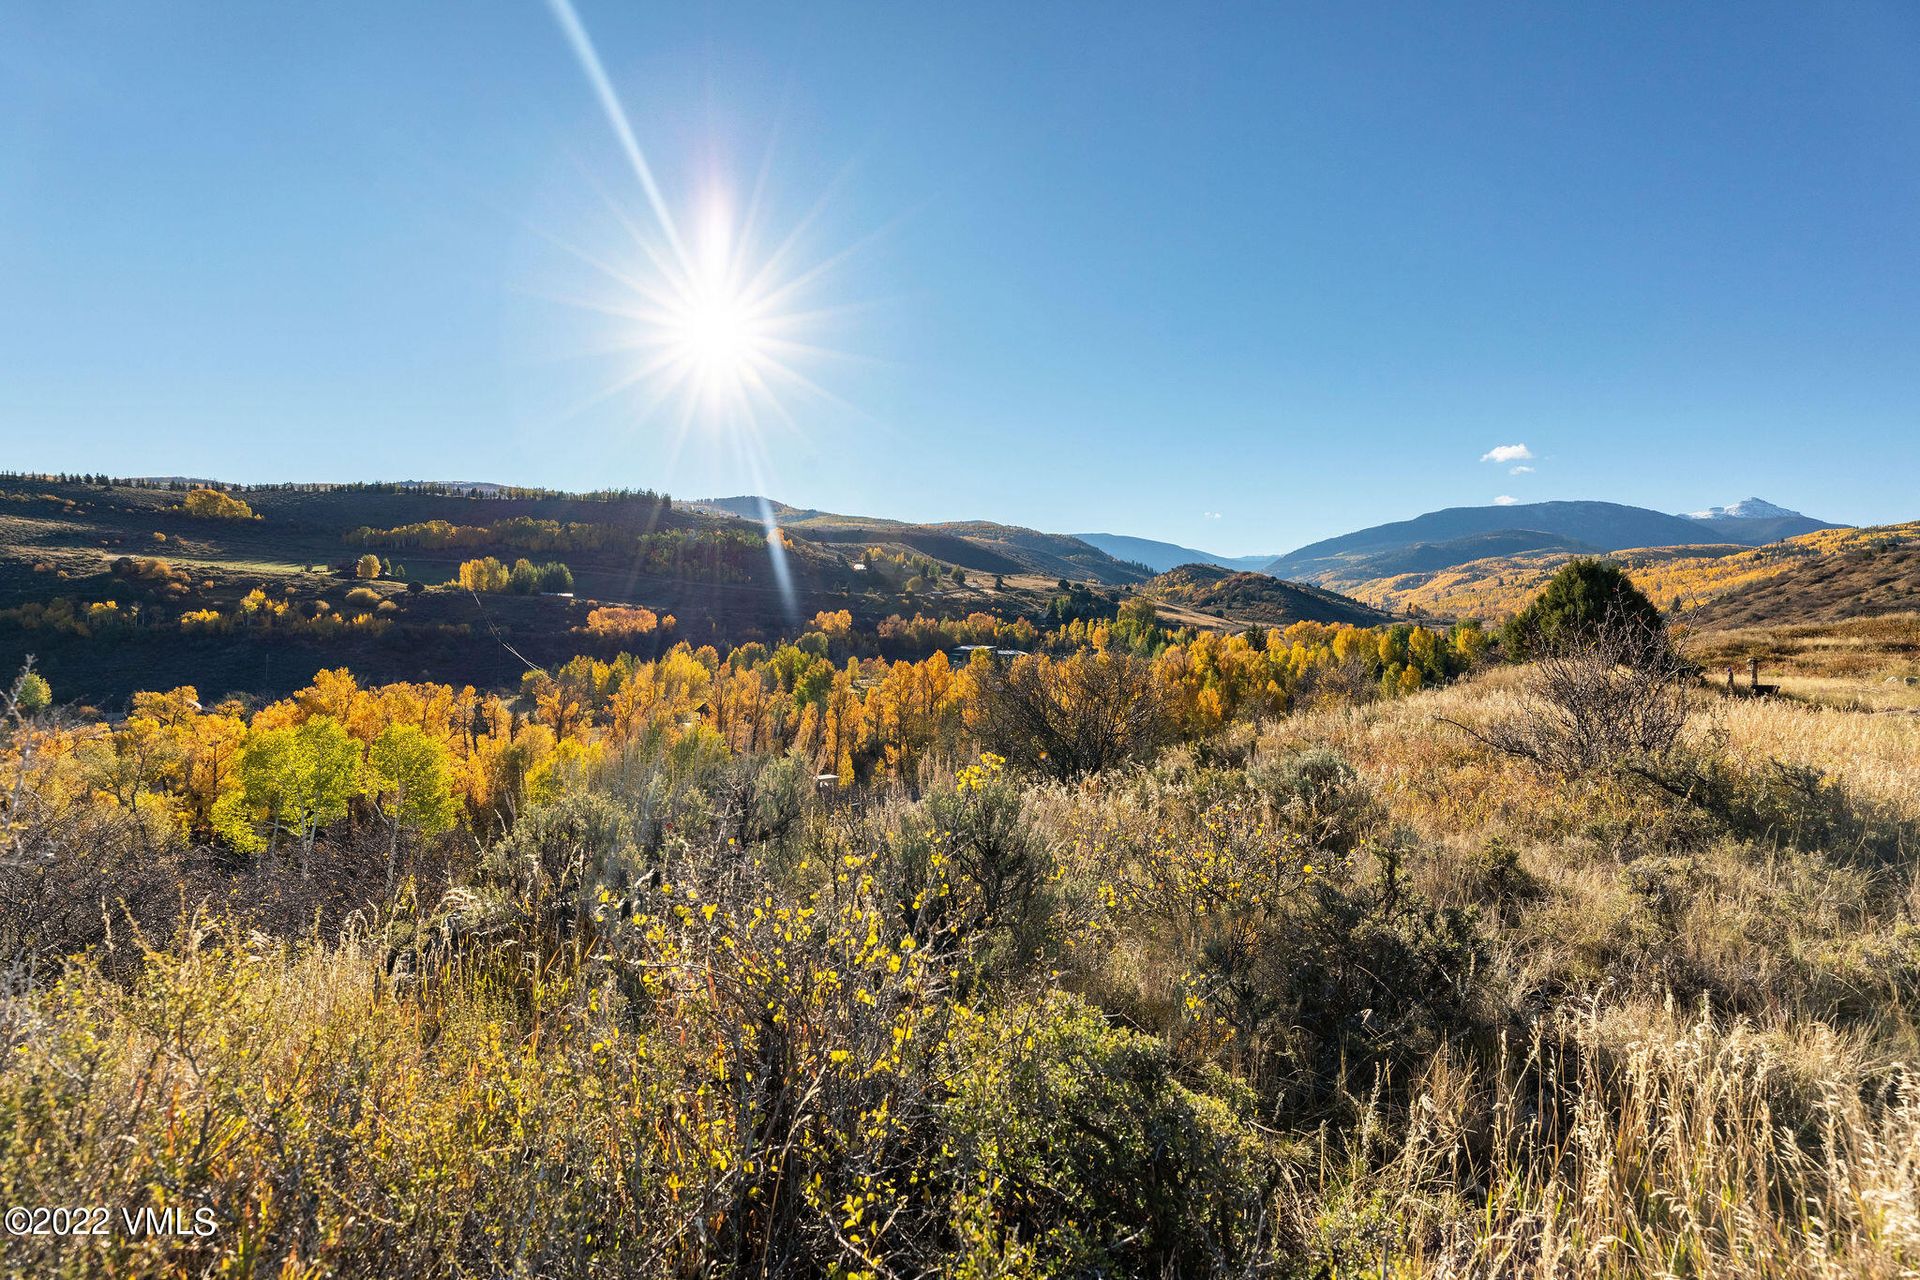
(1745, 509)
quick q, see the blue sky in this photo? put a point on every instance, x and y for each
(1233, 276)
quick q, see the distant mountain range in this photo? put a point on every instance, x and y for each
(1457, 535)
(1430, 543)
(1442, 539)
(1162, 556)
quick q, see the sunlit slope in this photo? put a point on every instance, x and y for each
(1815, 575)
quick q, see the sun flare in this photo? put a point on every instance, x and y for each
(713, 334)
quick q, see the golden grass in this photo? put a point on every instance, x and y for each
(1642, 1142)
(1870, 755)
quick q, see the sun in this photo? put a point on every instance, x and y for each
(717, 336)
(718, 315)
(718, 318)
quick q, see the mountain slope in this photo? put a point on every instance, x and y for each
(1855, 578)
(1755, 521)
(1162, 556)
(1432, 557)
(1604, 526)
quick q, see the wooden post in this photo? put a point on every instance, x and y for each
(1729, 677)
(1753, 674)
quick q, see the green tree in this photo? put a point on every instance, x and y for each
(409, 775)
(1580, 599)
(291, 781)
(31, 693)
(1137, 624)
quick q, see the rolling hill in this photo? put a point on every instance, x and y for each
(1256, 597)
(116, 586)
(976, 545)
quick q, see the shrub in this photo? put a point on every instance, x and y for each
(1610, 696)
(1078, 1151)
(1074, 716)
(975, 840)
(621, 622)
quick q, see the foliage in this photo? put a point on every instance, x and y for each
(215, 504)
(410, 776)
(31, 693)
(1577, 602)
(292, 781)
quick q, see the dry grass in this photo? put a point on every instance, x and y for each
(1641, 1142)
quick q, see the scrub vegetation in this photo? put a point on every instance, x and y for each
(1118, 951)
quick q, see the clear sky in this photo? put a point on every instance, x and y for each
(1233, 276)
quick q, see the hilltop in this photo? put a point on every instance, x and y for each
(1755, 520)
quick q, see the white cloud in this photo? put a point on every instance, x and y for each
(1210, 515)
(1507, 453)
(1520, 471)
(1505, 500)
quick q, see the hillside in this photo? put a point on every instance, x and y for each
(114, 587)
(1431, 557)
(1862, 582)
(976, 545)
(1829, 574)
(1256, 597)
